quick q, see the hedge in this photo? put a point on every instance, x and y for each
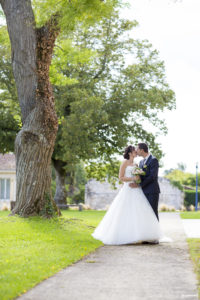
(190, 197)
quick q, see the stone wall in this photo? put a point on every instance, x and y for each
(170, 195)
(99, 195)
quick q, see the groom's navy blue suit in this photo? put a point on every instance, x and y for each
(149, 182)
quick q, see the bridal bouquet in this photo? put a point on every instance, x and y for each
(138, 172)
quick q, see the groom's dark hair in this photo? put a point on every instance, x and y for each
(144, 147)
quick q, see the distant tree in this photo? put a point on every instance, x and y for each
(166, 172)
(181, 166)
(180, 178)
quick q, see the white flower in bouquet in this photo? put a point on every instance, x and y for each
(137, 172)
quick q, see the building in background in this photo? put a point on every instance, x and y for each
(99, 195)
(7, 179)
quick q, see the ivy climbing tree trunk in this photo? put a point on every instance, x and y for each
(31, 57)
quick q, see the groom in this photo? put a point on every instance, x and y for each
(149, 181)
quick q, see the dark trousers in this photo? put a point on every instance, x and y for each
(153, 200)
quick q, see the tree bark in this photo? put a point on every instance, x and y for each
(61, 193)
(71, 183)
(31, 57)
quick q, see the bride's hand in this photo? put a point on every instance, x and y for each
(133, 185)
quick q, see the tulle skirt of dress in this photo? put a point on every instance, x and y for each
(129, 219)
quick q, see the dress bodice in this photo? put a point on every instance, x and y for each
(128, 171)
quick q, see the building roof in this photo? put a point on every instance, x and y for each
(7, 161)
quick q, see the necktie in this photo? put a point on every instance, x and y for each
(144, 161)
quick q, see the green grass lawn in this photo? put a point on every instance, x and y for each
(194, 244)
(190, 215)
(32, 249)
(194, 248)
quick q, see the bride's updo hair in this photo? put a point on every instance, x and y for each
(128, 150)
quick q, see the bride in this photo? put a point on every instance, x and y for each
(130, 218)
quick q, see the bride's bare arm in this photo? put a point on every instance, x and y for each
(122, 173)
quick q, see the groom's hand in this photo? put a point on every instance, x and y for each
(133, 185)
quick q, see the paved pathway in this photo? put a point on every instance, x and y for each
(130, 272)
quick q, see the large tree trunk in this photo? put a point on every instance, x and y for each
(31, 57)
(71, 183)
(61, 193)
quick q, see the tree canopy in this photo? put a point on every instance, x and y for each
(106, 85)
(109, 84)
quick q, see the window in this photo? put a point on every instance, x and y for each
(4, 189)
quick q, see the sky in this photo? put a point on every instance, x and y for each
(173, 28)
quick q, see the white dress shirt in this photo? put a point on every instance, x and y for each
(146, 158)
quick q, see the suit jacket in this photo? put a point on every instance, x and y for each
(149, 181)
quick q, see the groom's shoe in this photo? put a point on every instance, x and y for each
(155, 242)
(151, 242)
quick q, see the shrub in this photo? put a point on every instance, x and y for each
(183, 208)
(5, 207)
(165, 207)
(191, 207)
(85, 206)
(190, 197)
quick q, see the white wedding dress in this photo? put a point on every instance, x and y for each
(129, 219)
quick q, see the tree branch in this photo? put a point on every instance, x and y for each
(105, 54)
